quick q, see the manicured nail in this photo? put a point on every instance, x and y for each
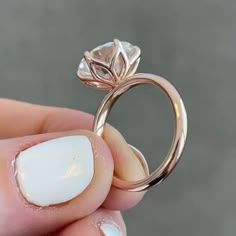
(55, 171)
(109, 229)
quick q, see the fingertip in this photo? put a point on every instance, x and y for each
(48, 190)
(127, 167)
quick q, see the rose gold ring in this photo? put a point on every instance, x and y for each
(112, 67)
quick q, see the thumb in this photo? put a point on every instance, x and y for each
(50, 180)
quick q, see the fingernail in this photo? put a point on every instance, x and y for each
(55, 171)
(109, 229)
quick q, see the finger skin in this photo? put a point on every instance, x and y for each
(32, 220)
(20, 119)
(126, 167)
(41, 119)
(90, 225)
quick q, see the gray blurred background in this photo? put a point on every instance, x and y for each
(191, 43)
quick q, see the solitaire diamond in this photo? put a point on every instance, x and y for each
(105, 66)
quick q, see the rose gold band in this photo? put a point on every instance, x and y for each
(177, 146)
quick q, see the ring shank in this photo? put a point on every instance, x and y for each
(179, 138)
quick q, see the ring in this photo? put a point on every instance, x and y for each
(112, 66)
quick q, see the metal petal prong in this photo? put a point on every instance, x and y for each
(88, 57)
(93, 65)
(116, 45)
(133, 67)
(136, 56)
(119, 52)
(117, 42)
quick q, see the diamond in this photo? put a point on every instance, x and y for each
(106, 65)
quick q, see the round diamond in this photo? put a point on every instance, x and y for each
(104, 53)
(105, 66)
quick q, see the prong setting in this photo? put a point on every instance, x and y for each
(106, 66)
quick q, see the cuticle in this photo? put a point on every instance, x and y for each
(19, 192)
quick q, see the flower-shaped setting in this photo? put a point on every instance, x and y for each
(106, 66)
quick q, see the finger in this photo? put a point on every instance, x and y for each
(56, 178)
(127, 167)
(100, 223)
(53, 119)
(21, 118)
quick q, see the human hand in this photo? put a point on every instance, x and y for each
(92, 212)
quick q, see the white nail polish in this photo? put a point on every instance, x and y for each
(55, 171)
(109, 229)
